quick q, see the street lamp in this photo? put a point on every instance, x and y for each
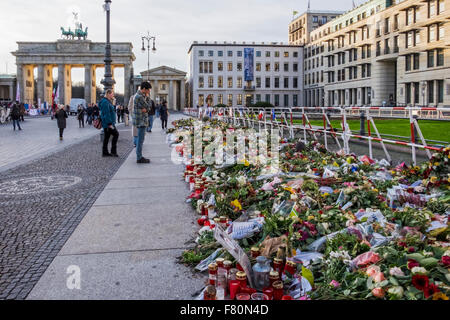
(108, 82)
(148, 38)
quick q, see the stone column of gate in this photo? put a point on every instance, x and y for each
(171, 104)
(156, 90)
(127, 79)
(40, 84)
(61, 84)
(88, 83)
(48, 84)
(11, 92)
(28, 88)
(182, 95)
(68, 84)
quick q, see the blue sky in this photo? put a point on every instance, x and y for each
(175, 23)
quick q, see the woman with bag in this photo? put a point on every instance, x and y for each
(108, 119)
(61, 116)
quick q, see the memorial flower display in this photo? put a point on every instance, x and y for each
(329, 225)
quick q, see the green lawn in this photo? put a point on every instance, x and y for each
(432, 130)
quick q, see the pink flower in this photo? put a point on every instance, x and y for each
(366, 259)
(378, 292)
(373, 270)
(379, 277)
(396, 272)
(335, 284)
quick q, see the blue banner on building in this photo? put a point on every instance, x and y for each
(248, 63)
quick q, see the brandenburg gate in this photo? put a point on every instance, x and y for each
(65, 55)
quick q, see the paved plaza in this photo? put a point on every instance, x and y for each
(39, 137)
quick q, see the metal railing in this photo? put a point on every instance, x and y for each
(294, 120)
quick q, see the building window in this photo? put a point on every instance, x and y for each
(295, 68)
(258, 66)
(268, 67)
(267, 54)
(277, 67)
(286, 67)
(416, 61)
(440, 91)
(286, 100)
(277, 54)
(286, 83)
(408, 63)
(210, 53)
(230, 82)
(258, 54)
(440, 57)
(239, 99)
(239, 66)
(267, 83)
(220, 53)
(201, 100)
(258, 98)
(220, 99)
(220, 66)
(258, 82)
(277, 100)
(277, 82)
(230, 53)
(230, 100)
(230, 66)
(239, 82)
(295, 54)
(210, 82)
(201, 53)
(268, 98)
(315, 19)
(200, 67)
(239, 53)
(430, 59)
(295, 83)
(220, 82)
(416, 92)
(408, 93)
(286, 54)
(295, 100)
(201, 82)
(430, 91)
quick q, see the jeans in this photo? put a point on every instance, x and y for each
(150, 123)
(61, 132)
(81, 122)
(135, 140)
(108, 133)
(18, 124)
(164, 123)
(140, 142)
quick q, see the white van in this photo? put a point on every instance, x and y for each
(74, 103)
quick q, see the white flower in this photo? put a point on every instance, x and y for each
(419, 270)
(241, 180)
(428, 254)
(447, 253)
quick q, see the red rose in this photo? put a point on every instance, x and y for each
(445, 261)
(412, 264)
(420, 282)
(411, 250)
(430, 290)
(402, 244)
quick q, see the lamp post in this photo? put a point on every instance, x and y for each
(148, 38)
(108, 82)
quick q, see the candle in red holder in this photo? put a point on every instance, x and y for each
(204, 210)
(268, 292)
(290, 267)
(212, 273)
(274, 276)
(242, 277)
(278, 265)
(234, 287)
(210, 293)
(227, 264)
(286, 298)
(219, 262)
(278, 290)
(255, 252)
(239, 267)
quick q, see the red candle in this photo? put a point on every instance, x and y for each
(268, 292)
(212, 273)
(234, 287)
(286, 298)
(278, 290)
(274, 276)
(242, 278)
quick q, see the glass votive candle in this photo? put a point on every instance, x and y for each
(242, 277)
(234, 287)
(259, 296)
(278, 290)
(243, 296)
(268, 292)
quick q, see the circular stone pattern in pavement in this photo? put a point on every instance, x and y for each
(21, 186)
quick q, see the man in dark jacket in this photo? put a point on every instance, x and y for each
(90, 112)
(15, 116)
(142, 106)
(61, 116)
(108, 116)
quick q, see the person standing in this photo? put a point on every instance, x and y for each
(15, 116)
(164, 115)
(89, 112)
(142, 106)
(96, 112)
(118, 114)
(131, 111)
(80, 116)
(61, 116)
(151, 115)
(22, 112)
(108, 116)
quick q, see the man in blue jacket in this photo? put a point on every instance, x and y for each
(108, 116)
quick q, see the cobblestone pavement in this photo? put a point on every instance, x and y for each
(43, 201)
(39, 137)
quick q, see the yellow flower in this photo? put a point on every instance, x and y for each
(436, 164)
(237, 205)
(433, 179)
(439, 296)
(325, 195)
(375, 190)
(311, 218)
(335, 164)
(324, 162)
(247, 164)
(290, 190)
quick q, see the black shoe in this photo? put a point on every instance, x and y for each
(115, 155)
(107, 155)
(143, 160)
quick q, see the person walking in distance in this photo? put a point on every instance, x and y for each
(142, 106)
(22, 112)
(151, 116)
(134, 131)
(15, 116)
(164, 115)
(61, 116)
(90, 111)
(108, 116)
(80, 116)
